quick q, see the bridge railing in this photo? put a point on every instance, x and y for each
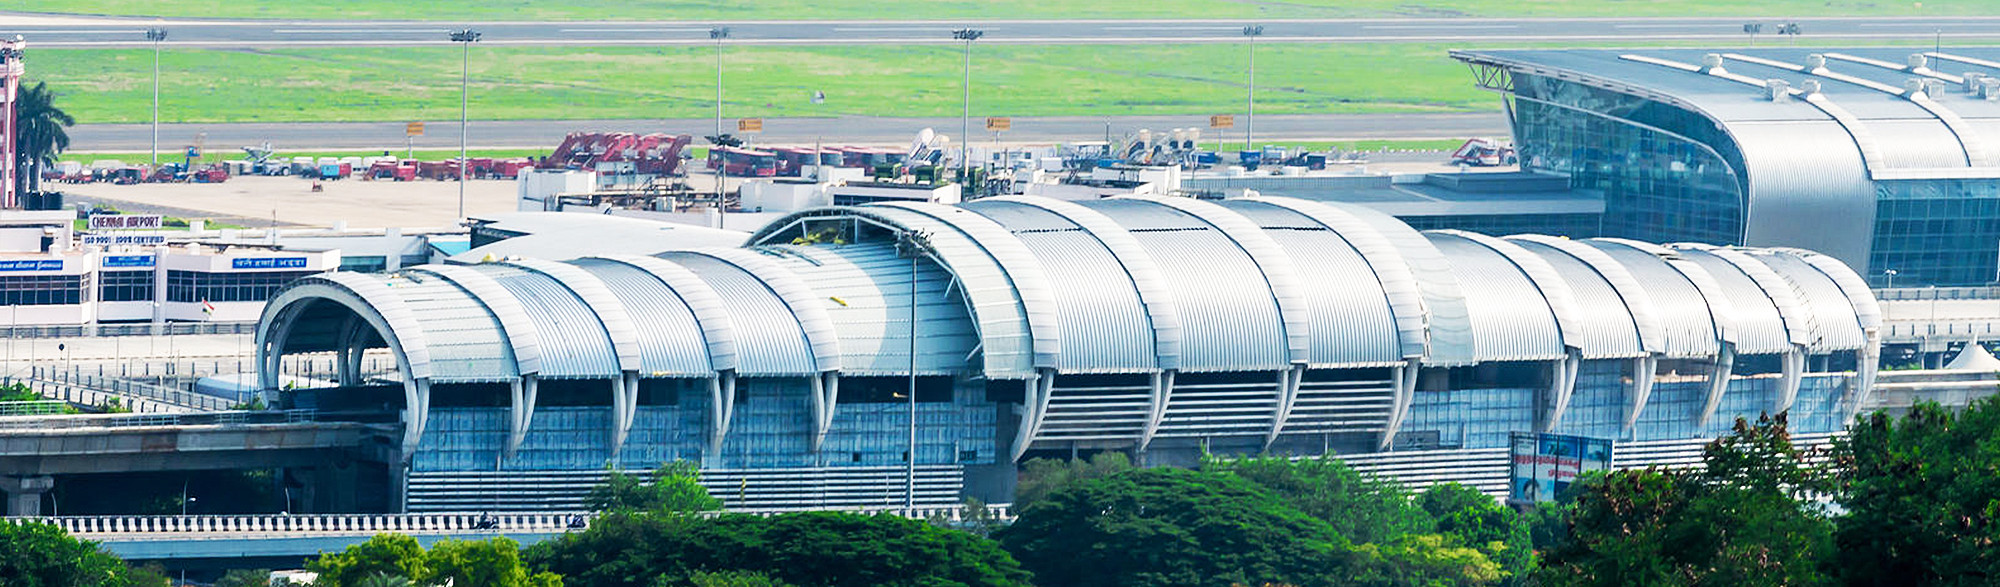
(72, 421)
(128, 388)
(222, 527)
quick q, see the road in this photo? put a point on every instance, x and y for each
(87, 32)
(223, 137)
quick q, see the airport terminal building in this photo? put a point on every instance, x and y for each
(1026, 327)
(1885, 158)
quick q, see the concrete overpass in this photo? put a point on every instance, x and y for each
(34, 449)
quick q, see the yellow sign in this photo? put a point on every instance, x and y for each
(414, 129)
(999, 123)
(1222, 121)
(750, 125)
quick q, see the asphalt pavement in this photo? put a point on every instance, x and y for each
(85, 32)
(225, 137)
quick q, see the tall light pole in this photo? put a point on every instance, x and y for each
(912, 243)
(717, 34)
(156, 36)
(965, 124)
(1250, 121)
(465, 38)
(1891, 275)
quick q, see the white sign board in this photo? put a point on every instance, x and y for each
(125, 222)
(124, 239)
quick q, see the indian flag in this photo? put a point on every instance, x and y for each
(207, 308)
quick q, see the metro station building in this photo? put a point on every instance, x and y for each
(1166, 328)
(1885, 158)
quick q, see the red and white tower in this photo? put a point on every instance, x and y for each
(10, 89)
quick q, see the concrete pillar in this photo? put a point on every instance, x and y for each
(24, 494)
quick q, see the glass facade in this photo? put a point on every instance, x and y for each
(1936, 232)
(126, 286)
(201, 286)
(1657, 187)
(42, 290)
(1569, 225)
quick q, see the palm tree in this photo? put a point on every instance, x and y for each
(38, 135)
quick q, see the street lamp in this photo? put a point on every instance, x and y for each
(1250, 121)
(965, 126)
(717, 34)
(465, 38)
(913, 243)
(156, 36)
(1891, 275)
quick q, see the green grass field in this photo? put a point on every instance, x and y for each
(528, 10)
(514, 83)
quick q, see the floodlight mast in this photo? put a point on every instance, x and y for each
(157, 36)
(465, 38)
(965, 123)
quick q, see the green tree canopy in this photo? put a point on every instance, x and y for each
(1478, 521)
(383, 554)
(808, 549)
(39, 135)
(1360, 507)
(494, 562)
(1923, 497)
(674, 487)
(1041, 477)
(1737, 521)
(33, 554)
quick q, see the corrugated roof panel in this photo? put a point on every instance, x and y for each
(1511, 321)
(1352, 323)
(1007, 286)
(769, 339)
(1607, 327)
(1758, 326)
(671, 343)
(865, 288)
(1917, 143)
(574, 344)
(1229, 318)
(521, 335)
(1835, 321)
(1449, 325)
(1104, 327)
(1684, 315)
(464, 339)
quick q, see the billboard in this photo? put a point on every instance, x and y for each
(268, 263)
(1543, 465)
(125, 222)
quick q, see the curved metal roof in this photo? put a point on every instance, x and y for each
(1512, 319)
(718, 332)
(865, 289)
(610, 311)
(770, 338)
(1448, 322)
(1688, 322)
(1836, 324)
(1354, 321)
(671, 341)
(574, 343)
(524, 342)
(1866, 310)
(1756, 320)
(1228, 313)
(1606, 289)
(1105, 325)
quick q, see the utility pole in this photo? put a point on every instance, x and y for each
(912, 243)
(465, 38)
(156, 36)
(965, 126)
(1250, 121)
(721, 158)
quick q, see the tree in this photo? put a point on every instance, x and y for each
(1360, 507)
(1041, 477)
(39, 136)
(1922, 497)
(494, 562)
(1476, 520)
(1426, 560)
(807, 549)
(1164, 527)
(34, 554)
(384, 580)
(730, 579)
(245, 578)
(1740, 520)
(384, 554)
(674, 487)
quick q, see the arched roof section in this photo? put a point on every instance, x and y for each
(1229, 319)
(1330, 248)
(610, 311)
(1560, 297)
(718, 331)
(1759, 325)
(1619, 309)
(671, 341)
(1801, 327)
(869, 292)
(523, 340)
(1687, 321)
(1007, 286)
(1866, 309)
(793, 334)
(1449, 322)
(365, 296)
(1513, 319)
(1836, 324)
(1281, 276)
(1111, 297)
(573, 342)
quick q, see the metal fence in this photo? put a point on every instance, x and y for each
(1938, 293)
(251, 526)
(65, 383)
(239, 417)
(147, 329)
